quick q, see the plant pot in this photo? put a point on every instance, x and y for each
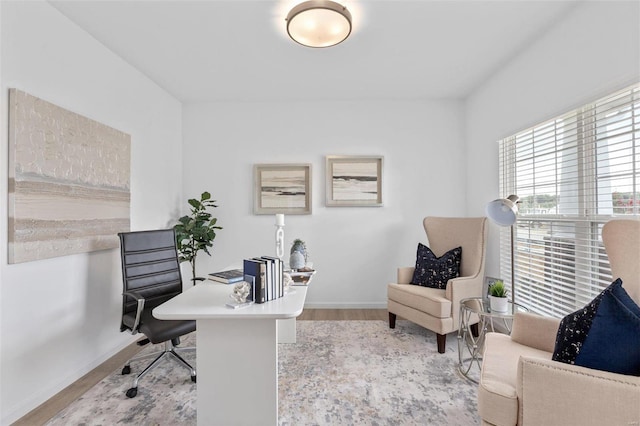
(498, 304)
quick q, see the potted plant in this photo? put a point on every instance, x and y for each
(498, 296)
(298, 254)
(196, 231)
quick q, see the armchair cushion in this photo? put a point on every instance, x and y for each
(435, 272)
(603, 335)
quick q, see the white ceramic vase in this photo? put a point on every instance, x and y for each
(498, 304)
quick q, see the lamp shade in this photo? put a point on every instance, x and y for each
(503, 211)
(319, 23)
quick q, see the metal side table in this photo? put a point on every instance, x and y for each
(476, 310)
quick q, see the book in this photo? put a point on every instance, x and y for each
(257, 271)
(278, 286)
(268, 278)
(228, 277)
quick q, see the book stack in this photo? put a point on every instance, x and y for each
(265, 275)
(228, 277)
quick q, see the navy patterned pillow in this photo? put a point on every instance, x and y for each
(604, 335)
(433, 271)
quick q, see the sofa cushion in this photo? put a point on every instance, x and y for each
(603, 335)
(429, 300)
(497, 398)
(435, 272)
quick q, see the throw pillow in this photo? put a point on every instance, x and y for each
(604, 335)
(433, 271)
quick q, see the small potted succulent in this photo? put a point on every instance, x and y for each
(298, 258)
(498, 296)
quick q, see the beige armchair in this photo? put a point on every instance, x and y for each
(435, 309)
(520, 384)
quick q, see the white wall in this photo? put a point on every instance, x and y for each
(355, 250)
(60, 317)
(595, 50)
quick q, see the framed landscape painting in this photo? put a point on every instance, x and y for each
(354, 181)
(282, 188)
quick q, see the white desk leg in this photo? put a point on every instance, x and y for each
(237, 364)
(287, 330)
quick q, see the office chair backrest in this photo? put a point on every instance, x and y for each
(150, 267)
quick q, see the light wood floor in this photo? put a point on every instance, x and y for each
(58, 402)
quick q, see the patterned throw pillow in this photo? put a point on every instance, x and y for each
(604, 335)
(433, 271)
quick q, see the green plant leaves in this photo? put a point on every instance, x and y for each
(196, 232)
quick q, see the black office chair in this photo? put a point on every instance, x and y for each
(151, 276)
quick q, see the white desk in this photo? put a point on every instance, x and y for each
(236, 352)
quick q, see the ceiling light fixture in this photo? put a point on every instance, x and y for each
(319, 23)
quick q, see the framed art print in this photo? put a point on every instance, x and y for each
(282, 188)
(353, 181)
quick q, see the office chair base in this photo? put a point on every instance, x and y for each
(169, 350)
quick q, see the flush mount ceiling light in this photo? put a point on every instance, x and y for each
(319, 23)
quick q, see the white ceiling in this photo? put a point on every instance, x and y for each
(212, 50)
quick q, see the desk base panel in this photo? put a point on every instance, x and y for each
(237, 365)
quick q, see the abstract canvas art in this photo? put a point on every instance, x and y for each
(282, 188)
(69, 181)
(354, 181)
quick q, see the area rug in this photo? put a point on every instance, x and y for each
(338, 373)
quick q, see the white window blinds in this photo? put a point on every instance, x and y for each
(572, 173)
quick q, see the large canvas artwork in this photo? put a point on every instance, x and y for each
(69, 181)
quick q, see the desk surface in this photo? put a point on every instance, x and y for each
(207, 301)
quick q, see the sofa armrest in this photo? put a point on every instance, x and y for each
(405, 274)
(550, 392)
(535, 331)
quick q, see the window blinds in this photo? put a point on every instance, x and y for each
(572, 173)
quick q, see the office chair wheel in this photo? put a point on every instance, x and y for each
(193, 379)
(126, 370)
(132, 392)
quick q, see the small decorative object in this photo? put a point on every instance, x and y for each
(280, 235)
(196, 231)
(298, 257)
(287, 281)
(240, 292)
(498, 296)
(302, 276)
(239, 295)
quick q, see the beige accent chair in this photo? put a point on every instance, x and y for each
(435, 309)
(520, 384)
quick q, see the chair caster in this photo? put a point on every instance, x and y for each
(126, 370)
(193, 379)
(132, 392)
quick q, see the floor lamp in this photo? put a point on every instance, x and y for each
(503, 212)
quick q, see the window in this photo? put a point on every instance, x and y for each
(572, 173)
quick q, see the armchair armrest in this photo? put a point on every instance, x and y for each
(138, 297)
(546, 388)
(405, 274)
(535, 331)
(462, 288)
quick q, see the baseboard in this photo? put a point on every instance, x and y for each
(322, 305)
